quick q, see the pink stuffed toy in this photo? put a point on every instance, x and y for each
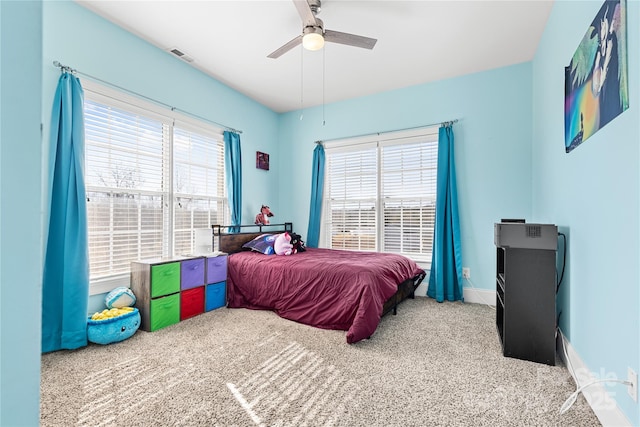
(283, 245)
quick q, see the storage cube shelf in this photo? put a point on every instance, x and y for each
(174, 289)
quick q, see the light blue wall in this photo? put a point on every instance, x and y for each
(492, 149)
(592, 194)
(21, 216)
(84, 41)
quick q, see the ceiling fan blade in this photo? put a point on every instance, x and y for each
(349, 39)
(286, 48)
(307, 16)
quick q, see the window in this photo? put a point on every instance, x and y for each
(380, 193)
(152, 177)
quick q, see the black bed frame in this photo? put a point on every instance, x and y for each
(405, 290)
(230, 239)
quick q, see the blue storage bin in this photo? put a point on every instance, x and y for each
(216, 296)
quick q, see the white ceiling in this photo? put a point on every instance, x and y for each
(418, 42)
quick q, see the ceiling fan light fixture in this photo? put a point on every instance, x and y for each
(313, 38)
(313, 34)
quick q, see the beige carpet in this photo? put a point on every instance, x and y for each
(431, 365)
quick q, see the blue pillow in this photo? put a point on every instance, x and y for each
(263, 244)
(120, 297)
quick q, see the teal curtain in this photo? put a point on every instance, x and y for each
(65, 284)
(233, 169)
(315, 209)
(445, 279)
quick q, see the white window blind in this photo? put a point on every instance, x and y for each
(380, 193)
(150, 183)
(408, 177)
(198, 185)
(352, 203)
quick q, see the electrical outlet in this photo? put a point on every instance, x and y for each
(632, 389)
(466, 273)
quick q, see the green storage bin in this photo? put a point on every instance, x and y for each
(164, 311)
(165, 279)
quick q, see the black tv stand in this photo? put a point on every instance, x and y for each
(526, 298)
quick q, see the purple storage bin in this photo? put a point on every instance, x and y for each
(217, 269)
(191, 273)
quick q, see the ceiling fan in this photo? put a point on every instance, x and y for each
(314, 35)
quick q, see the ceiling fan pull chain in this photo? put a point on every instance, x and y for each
(324, 68)
(301, 82)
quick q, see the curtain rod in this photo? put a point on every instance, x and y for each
(447, 123)
(65, 68)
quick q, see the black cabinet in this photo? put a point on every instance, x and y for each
(526, 299)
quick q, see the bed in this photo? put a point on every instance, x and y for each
(325, 288)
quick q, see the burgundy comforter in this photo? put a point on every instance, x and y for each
(326, 288)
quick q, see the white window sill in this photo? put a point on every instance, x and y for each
(104, 285)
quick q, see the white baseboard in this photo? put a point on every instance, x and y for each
(473, 295)
(480, 296)
(600, 401)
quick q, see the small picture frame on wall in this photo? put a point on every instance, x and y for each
(262, 160)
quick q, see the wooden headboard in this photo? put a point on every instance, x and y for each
(232, 237)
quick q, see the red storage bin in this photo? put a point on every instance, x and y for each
(191, 302)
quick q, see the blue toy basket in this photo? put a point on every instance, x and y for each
(115, 329)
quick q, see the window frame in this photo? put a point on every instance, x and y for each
(101, 94)
(379, 141)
